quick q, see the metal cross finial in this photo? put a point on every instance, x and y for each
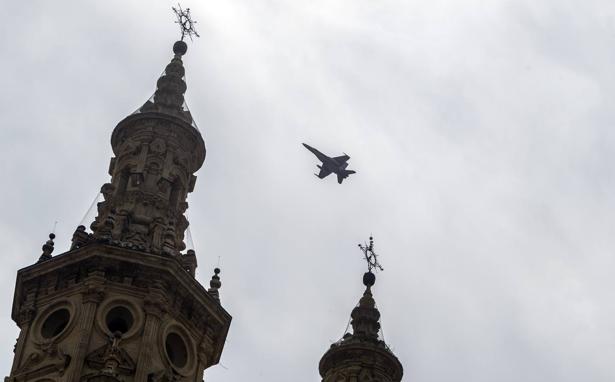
(370, 255)
(186, 24)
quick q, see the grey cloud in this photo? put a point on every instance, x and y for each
(482, 139)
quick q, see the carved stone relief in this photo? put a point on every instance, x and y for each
(145, 203)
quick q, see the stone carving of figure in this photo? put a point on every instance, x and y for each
(104, 208)
(157, 231)
(168, 246)
(182, 225)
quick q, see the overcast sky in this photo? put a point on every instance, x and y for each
(481, 133)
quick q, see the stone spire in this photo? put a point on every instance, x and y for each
(361, 356)
(169, 96)
(365, 316)
(157, 151)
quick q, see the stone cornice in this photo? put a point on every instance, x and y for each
(143, 266)
(360, 354)
(183, 125)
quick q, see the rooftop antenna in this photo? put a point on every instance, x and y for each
(370, 256)
(186, 24)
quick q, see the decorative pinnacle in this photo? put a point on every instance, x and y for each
(47, 249)
(370, 256)
(215, 284)
(186, 24)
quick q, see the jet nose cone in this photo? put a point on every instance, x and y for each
(306, 145)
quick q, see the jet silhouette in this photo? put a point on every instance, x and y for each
(337, 165)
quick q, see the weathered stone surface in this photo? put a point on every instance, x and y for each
(155, 297)
(157, 151)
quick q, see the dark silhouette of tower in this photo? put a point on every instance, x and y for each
(123, 304)
(361, 356)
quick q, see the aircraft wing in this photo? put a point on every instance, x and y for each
(341, 159)
(321, 157)
(323, 173)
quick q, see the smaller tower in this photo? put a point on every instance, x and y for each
(362, 356)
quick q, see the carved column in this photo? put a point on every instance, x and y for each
(90, 300)
(204, 349)
(26, 315)
(154, 309)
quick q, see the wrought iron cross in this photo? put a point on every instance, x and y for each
(186, 24)
(370, 256)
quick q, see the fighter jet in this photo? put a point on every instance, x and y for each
(337, 165)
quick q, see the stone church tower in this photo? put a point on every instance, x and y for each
(361, 356)
(123, 304)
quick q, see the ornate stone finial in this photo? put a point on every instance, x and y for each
(47, 249)
(215, 284)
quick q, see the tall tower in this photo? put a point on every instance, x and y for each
(123, 304)
(362, 356)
